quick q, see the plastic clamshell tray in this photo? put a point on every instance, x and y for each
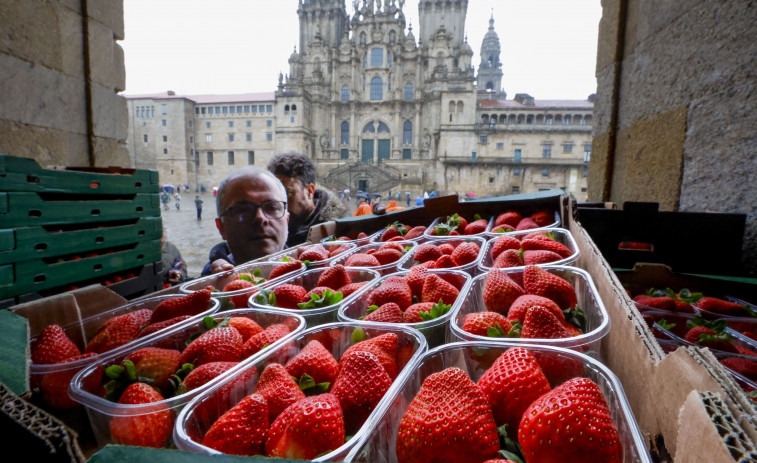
(309, 280)
(357, 241)
(220, 280)
(293, 253)
(561, 235)
(382, 269)
(376, 237)
(597, 318)
(435, 330)
(82, 332)
(336, 338)
(102, 411)
(491, 230)
(474, 358)
(428, 234)
(469, 268)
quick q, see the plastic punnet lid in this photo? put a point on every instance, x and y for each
(561, 236)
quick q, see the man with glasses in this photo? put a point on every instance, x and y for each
(252, 218)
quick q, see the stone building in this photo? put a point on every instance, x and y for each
(378, 110)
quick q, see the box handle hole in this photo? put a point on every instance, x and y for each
(40, 247)
(97, 267)
(95, 212)
(32, 179)
(635, 246)
(99, 239)
(139, 209)
(94, 185)
(35, 213)
(40, 278)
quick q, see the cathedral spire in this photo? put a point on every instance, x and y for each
(490, 69)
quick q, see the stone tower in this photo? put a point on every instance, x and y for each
(448, 15)
(490, 69)
(325, 18)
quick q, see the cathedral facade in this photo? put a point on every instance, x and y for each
(378, 109)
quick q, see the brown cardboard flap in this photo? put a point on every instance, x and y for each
(60, 309)
(95, 299)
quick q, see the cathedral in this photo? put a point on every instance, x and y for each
(377, 109)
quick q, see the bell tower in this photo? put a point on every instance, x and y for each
(449, 15)
(490, 69)
(325, 18)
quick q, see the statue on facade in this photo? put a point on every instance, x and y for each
(324, 140)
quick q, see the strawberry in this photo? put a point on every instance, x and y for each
(391, 245)
(242, 430)
(511, 384)
(389, 291)
(508, 258)
(662, 303)
(145, 430)
(387, 256)
(265, 338)
(155, 327)
(546, 244)
(240, 300)
(526, 224)
(541, 323)
(222, 344)
(448, 420)
(387, 313)
(384, 347)
(191, 304)
(500, 291)
(543, 218)
(504, 228)
(446, 248)
(435, 289)
(361, 383)
(313, 253)
(334, 277)
(540, 282)
(286, 296)
(306, 429)
(361, 260)
(247, 327)
(591, 436)
(540, 257)
(315, 361)
(361, 235)
(521, 305)
(283, 269)
(475, 227)
(317, 291)
(424, 311)
(53, 346)
(466, 253)
(206, 372)
(154, 364)
(491, 324)
(706, 336)
(389, 233)
(721, 306)
(54, 386)
(119, 331)
(336, 250)
(510, 218)
(445, 261)
(415, 279)
(348, 289)
(415, 232)
(426, 252)
(744, 367)
(279, 389)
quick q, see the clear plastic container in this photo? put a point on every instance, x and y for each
(85, 387)
(309, 280)
(357, 241)
(293, 252)
(475, 358)
(82, 332)
(428, 234)
(561, 235)
(385, 269)
(435, 331)
(194, 421)
(745, 314)
(376, 238)
(491, 230)
(470, 268)
(220, 280)
(597, 318)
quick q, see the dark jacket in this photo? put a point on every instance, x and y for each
(219, 251)
(172, 260)
(327, 208)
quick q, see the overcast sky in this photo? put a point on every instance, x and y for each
(549, 47)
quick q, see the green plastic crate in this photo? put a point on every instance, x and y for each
(39, 274)
(25, 175)
(18, 244)
(32, 209)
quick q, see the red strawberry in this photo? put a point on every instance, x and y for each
(543, 243)
(315, 361)
(240, 300)
(475, 227)
(360, 385)
(318, 291)
(526, 224)
(265, 338)
(708, 337)
(684, 307)
(347, 290)
(384, 347)
(415, 232)
(541, 323)
(743, 366)
(509, 218)
(361, 260)
(508, 258)
(484, 323)
(504, 228)
(247, 327)
(425, 252)
(313, 254)
(512, 383)
(279, 389)
(436, 289)
(206, 372)
(448, 420)
(156, 364)
(308, 428)
(446, 248)
(543, 218)
(545, 436)
(521, 305)
(334, 277)
(720, 306)
(387, 256)
(222, 344)
(391, 245)
(503, 243)
(54, 386)
(361, 235)
(415, 279)
(191, 304)
(155, 327)
(287, 296)
(540, 257)
(466, 253)
(387, 313)
(500, 291)
(445, 261)
(242, 430)
(412, 313)
(283, 269)
(119, 331)
(399, 293)
(540, 282)
(53, 346)
(336, 250)
(145, 430)
(663, 303)
(388, 233)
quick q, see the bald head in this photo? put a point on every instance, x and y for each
(245, 174)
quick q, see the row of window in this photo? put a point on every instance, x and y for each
(377, 89)
(229, 155)
(407, 153)
(546, 148)
(232, 109)
(371, 127)
(248, 123)
(232, 137)
(143, 112)
(539, 119)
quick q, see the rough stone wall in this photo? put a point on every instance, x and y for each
(675, 109)
(49, 50)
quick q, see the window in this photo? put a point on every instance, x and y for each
(567, 147)
(247, 109)
(269, 108)
(269, 136)
(239, 108)
(231, 123)
(392, 36)
(163, 122)
(344, 153)
(231, 158)
(362, 38)
(516, 172)
(250, 158)
(566, 120)
(202, 110)
(474, 156)
(409, 91)
(483, 139)
(516, 155)
(345, 93)
(165, 150)
(582, 121)
(207, 125)
(377, 91)
(585, 173)
(491, 179)
(210, 158)
(500, 146)
(583, 190)
(163, 109)
(254, 108)
(587, 152)
(407, 133)
(208, 137)
(165, 138)
(383, 128)
(286, 109)
(268, 122)
(190, 123)
(225, 109)
(191, 139)
(294, 109)
(407, 153)
(249, 123)
(515, 189)
(144, 137)
(548, 120)
(261, 108)
(545, 172)
(547, 151)
(231, 137)
(369, 128)
(231, 109)
(345, 138)
(248, 137)
(218, 110)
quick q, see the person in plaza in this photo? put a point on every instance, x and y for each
(177, 199)
(307, 204)
(252, 218)
(174, 270)
(408, 199)
(165, 198)
(363, 209)
(198, 206)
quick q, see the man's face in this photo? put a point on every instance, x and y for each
(258, 235)
(299, 196)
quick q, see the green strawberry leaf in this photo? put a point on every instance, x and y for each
(286, 259)
(407, 248)
(718, 325)
(521, 251)
(114, 371)
(495, 331)
(331, 238)
(257, 273)
(509, 448)
(666, 325)
(576, 318)
(326, 299)
(510, 456)
(515, 330)
(244, 276)
(752, 394)
(371, 308)
(306, 262)
(308, 385)
(357, 335)
(477, 217)
(714, 338)
(437, 310)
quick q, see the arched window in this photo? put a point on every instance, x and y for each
(377, 57)
(345, 93)
(369, 128)
(451, 107)
(294, 109)
(362, 38)
(392, 36)
(409, 91)
(286, 109)
(389, 83)
(389, 59)
(377, 88)
(383, 128)
(345, 138)
(460, 106)
(407, 133)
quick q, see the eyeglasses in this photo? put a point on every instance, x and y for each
(246, 210)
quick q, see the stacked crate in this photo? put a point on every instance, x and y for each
(66, 228)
